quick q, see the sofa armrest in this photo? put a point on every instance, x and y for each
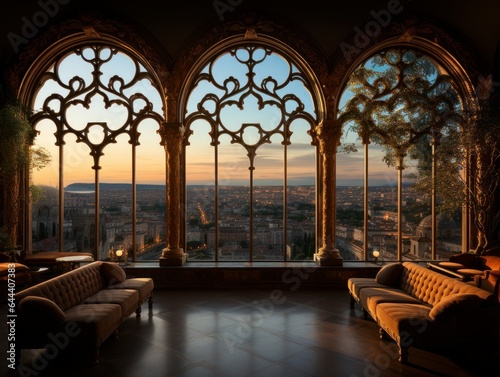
(41, 312)
(389, 274)
(113, 273)
(489, 281)
(456, 304)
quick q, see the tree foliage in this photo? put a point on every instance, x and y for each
(16, 154)
(403, 100)
(481, 139)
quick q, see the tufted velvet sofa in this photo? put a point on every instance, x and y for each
(490, 279)
(488, 266)
(79, 309)
(419, 307)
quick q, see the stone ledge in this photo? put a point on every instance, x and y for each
(250, 275)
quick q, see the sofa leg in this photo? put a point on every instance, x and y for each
(138, 311)
(365, 313)
(150, 301)
(382, 333)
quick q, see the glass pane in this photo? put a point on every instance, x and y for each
(449, 195)
(382, 205)
(150, 194)
(45, 196)
(99, 97)
(200, 179)
(404, 101)
(234, 203)
(268, 202)
(301, 194)
(79, 196)
(116, 198)
(249, 95)
(350, 190)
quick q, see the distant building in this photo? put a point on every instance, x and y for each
(448, 238)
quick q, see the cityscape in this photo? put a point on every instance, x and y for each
(269, 231)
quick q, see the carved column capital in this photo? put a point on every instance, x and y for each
(328, 133)
(400, 155)
(172, 136)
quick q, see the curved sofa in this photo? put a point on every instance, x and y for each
(419, 307)
(79, 309)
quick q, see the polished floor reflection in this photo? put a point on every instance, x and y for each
(246, 332)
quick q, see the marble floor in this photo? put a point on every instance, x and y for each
(252, 332)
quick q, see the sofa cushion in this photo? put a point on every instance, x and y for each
(113, 273)
(411, 325)
(454, 304)
(127, 298)
(355, 285)
(144, 286)
(94, 322)
(389, 274)
(41, 310)
(371, 297)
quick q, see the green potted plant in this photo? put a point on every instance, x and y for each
(16, 156)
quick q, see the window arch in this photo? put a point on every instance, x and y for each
(404, 105)
(251, 108)
(98, 107)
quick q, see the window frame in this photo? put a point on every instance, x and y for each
(29, 86)
(465, 90)
(316, 93)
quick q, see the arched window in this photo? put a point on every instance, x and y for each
(250, 162)
(97, 108)
(400, 162)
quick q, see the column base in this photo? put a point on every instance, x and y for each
(328, 258)
(173, 257)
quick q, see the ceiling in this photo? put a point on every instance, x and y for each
(171, 23)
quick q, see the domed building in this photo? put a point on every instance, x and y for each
(448, 237)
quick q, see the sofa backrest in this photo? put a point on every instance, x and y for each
(70, 288)
(491, 262)
(430, 286)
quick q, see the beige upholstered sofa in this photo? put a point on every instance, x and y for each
(419, 307)
(79, 309)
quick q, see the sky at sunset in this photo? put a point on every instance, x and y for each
(233, 160)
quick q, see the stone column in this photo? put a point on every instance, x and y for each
(172, 137)
(328, 133)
